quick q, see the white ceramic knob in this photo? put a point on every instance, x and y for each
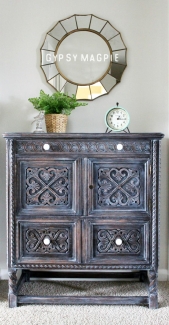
(46, 146)
(118, 241)
(119, 146)
(46, 241)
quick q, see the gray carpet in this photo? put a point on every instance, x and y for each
(82, 314)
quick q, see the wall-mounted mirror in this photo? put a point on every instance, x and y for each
(83, 55)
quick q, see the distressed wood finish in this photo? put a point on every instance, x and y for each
(83, 207)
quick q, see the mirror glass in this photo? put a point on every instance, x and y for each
(83, 55)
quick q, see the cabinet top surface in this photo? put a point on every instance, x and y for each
(102, 136)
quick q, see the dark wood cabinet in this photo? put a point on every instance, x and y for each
(86, 204)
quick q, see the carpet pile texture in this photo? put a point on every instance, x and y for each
(84, 314)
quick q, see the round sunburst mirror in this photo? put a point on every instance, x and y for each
(83, 55)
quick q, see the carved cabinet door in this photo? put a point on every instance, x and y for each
(118, 217)
(47, 221)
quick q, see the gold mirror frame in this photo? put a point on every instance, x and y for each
(112, 74)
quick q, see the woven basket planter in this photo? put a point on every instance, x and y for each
(56, 123)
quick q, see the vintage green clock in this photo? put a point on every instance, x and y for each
(117, 119)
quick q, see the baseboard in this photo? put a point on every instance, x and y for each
(163, 274)
(3, 274)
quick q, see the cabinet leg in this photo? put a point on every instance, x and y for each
(153, 295)
(12, 293)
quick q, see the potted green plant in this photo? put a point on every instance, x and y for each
(56, 108)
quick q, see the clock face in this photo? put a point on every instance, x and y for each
(117, 119)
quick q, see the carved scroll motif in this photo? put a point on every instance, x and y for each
(84, 146)
(118, 187)
(108, 241)
(46, 186)
(47, 241)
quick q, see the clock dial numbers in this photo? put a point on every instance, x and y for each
(117, 119)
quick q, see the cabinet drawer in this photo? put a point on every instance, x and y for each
(117, 242)
(107, 144)
(47, 242)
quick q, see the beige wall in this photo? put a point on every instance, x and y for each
(143, 90)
